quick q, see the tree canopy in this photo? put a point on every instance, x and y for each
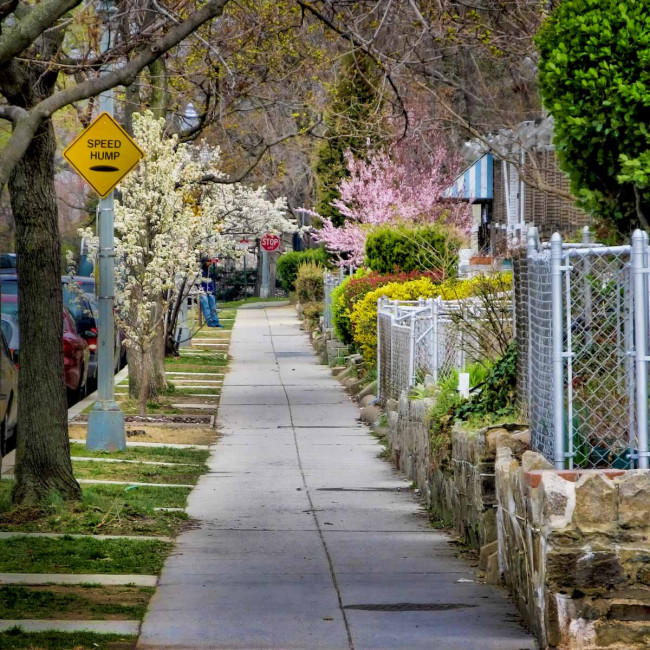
(595, 80)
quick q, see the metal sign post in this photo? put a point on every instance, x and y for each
(269, 243)
(264, 288)
(106, 420)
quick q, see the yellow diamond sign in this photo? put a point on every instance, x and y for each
(103, 154)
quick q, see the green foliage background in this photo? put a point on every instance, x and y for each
(353, 121)
(594, 74)
(289, 263)
(390, 249)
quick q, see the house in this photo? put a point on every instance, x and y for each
(514, 182)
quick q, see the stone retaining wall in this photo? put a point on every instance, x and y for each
(457, 485)
(572, 547)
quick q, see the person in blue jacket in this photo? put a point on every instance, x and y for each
(207, 298)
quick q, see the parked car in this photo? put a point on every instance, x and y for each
(76, 359)
(9, 284)
(76, 355)
(8, 398)
(8, 263)
(85, 311)
(83, 307)
(10, 305)
(10, 330)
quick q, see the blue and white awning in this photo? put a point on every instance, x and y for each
(475, 183)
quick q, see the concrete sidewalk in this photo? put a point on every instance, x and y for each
(307, 539)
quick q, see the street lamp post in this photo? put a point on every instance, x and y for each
(106, 420)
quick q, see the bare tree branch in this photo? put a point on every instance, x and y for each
(40, 17)
(12, 113)
(26, 127)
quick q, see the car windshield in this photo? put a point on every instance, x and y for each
(8, 261)
(76, 303)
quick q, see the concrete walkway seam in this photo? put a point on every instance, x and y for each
(130, 628)
(103, 579)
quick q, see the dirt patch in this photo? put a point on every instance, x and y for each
(165, 433)
(172, 419)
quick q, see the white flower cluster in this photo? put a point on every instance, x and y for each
(171, 212)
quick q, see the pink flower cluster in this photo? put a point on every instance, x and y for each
(403, 185)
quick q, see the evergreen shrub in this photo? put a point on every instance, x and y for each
(364, 313)
(289, 263)
(310, 283)
(391, 249)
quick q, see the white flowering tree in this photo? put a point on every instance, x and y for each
(174, 207)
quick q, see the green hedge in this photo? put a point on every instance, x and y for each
(289, 263)
(391, 249)
(310, 283)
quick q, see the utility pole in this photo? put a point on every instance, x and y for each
(106, 420)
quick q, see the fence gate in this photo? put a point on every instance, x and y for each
(587, 353)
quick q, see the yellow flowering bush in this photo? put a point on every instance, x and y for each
(364, 313)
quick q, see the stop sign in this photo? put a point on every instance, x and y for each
(270, 242)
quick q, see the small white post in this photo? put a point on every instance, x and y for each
(463, 384)
(558, 351)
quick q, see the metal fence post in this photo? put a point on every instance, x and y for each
(435, 310)
(586, 239)
(379, 350)
(412, 351)
(639, 264)
(557, 330)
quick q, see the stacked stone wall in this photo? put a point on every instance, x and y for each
(572, 547)
(457, 484)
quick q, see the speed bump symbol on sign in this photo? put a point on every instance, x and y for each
(103, 154)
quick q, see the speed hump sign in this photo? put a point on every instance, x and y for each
(103, 154)
(270, 242)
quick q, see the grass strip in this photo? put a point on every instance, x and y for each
(104, 509)
(162, 454)
(233, 304)
(74, 602)
(197, 361)
(183, 474)
(17, 639)
(82, 555)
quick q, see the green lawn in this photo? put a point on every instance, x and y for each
(197, 363)
(104, 509)
(82, 555)
(233, 304)
(137, 473)
(17, 639)
(162, 454)
(78, 602)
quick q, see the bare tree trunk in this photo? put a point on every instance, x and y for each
(155, 378)
(43, 463)
(158, 378)
(145, 374)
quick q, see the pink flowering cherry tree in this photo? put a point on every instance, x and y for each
(403, 185)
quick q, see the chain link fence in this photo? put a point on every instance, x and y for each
(582, 332)
(330, 282)
(433, 337)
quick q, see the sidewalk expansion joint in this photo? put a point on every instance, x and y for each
(130, 628)
(103, 579)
